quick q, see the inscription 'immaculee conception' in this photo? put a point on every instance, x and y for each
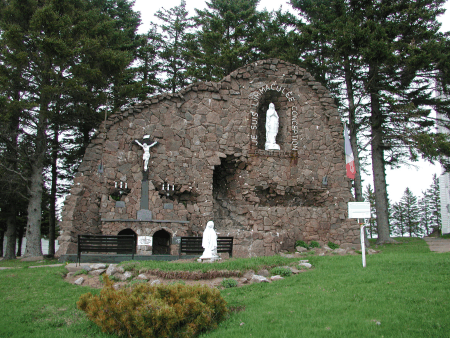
(255, 96)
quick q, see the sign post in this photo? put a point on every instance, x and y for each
(360, 210)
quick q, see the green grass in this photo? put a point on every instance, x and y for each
(17, 263)
(405, 289)
(241, 264)
(403, 292)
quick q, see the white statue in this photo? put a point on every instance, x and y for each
(146, 148)
(209, 242)
(271, 128)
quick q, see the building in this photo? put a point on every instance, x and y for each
(210, 162)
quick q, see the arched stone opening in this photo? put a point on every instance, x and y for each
(161, 243)
(128, 232)
(226, 182)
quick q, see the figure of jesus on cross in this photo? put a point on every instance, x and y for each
(146, 146)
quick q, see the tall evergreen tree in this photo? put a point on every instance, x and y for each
(435, 205)
(369, 196)
(67, 48)
(395, 51)
(411, 216)
(225, 38)
(175, 27)
(425, 213)
(398, 219)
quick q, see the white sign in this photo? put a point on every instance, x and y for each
(145, 240)
(358, 210)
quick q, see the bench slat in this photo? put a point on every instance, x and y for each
(194, 245)
(120, 244)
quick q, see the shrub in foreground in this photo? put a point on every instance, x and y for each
(155, 311)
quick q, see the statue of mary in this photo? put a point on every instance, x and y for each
(209, 242)
(271, 128)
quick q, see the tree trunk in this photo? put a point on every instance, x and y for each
(20, 232)
(52, 216)
(10, 252)
(33, 232)
(378, 164)
(2, 239)
(353, 131)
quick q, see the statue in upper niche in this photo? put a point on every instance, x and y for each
(272, 125)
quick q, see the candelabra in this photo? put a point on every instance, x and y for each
(167, 189)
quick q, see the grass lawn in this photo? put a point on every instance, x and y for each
(403, 292)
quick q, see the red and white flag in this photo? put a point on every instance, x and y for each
(349, 159)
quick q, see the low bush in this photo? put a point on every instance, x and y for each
(314, 244)
(130, 266)
(155, 311)
(301, 243)
(282, 271)
(229, 283)
(332, 245)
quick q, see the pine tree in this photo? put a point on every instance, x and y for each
(174, 52)
(395, 67)
(435, 205)
(225, 38)
(425, 212)
(369, 196)
(398, 219)
(411, 213)
(67, 50)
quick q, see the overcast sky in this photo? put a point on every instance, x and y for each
(417, 179)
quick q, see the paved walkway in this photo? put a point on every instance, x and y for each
(438, 244)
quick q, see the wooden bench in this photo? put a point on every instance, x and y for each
(123, 244)
(193, 245)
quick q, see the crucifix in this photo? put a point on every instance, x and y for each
(144, 214)
(146, 144)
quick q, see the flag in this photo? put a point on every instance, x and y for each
(349, 159)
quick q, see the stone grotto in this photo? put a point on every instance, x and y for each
(164, 167)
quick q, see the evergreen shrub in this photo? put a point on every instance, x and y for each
(229, 283)
(314, 244)
(282, 271)
(301, 243)
(143, 310)
(332, 245)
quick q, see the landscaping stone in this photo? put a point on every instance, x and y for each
(125, 276)
(276, 277)
(294, 270)
(339, 251)
(114, 269)
(301, 249)
(306, 265)
(259, 279)
(142, 277)
(79, 281)
(97, 272)
(263, 272)
(98, 266)
(155, 282)
(86, 267)
(248, 274)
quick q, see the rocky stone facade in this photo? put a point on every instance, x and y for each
(210, 164)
